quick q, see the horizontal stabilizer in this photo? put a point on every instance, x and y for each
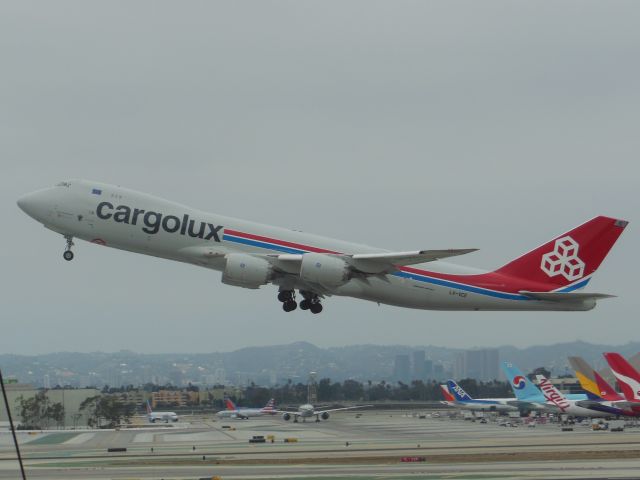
(565, 296)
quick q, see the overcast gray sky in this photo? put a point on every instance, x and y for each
(400, 124)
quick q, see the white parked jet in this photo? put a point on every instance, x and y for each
(556, 400)
(250, 255)
(166, 417)
(307, 411)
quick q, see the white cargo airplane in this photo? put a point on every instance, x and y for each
(250, 255)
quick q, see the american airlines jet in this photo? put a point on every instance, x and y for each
(153, 417)
(309, 267)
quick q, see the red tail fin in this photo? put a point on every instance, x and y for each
(627, 376)
(607, 392)
(229, 404)
(570, 257)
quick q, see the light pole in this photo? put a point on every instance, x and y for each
(13, 430)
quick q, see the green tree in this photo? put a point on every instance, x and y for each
(36, 412)
(106, 411)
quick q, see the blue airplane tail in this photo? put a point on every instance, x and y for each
(458, 392)
(522, 387)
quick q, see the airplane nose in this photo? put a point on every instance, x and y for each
(26, 203)
(34, 204)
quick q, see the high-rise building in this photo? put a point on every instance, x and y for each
(438, 372)
(481, 364)
(417, 365)
(428, 370)
(401, 370)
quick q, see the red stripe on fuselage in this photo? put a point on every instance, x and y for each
(283, 243)
(490, 281)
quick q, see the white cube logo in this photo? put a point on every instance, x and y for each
(563, 260)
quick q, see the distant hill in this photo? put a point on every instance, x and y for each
(264, 365)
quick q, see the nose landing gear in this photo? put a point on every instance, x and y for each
(68, 254)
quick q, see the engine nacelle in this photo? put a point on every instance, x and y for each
(246, 271)
(326, 270)
(286, 417)
(325, 415)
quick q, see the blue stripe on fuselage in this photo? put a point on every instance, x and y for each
(575, 286)
(461, 286)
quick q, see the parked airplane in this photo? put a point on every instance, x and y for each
(527, 393)
(628, 377)
(592, 382)
(557, 399)
(307, 410)
(463, 400)
(153, 417)
(251, 255)
(232, 411)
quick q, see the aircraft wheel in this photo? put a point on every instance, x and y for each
(68, 255)
(305, 305)
(315, 308)
(289, 306)
(284, 295)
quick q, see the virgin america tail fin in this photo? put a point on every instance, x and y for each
(568, 261)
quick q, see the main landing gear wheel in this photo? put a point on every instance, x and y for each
(68, 254)
(285, 295)
(289, 305)
(288, 299)
(315, 308)
(311, 302)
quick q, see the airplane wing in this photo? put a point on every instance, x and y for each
(376, 263)
(565, 296)
(320, 412)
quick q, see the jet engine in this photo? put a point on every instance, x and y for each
(286, 416)
(325, 415)
(246, 271)
(326, 270)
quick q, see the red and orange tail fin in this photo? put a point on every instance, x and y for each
(446, 394)
(229, 404)
(569, 259)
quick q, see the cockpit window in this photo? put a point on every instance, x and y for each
(63, 184)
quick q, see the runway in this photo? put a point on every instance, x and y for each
(363, 445)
